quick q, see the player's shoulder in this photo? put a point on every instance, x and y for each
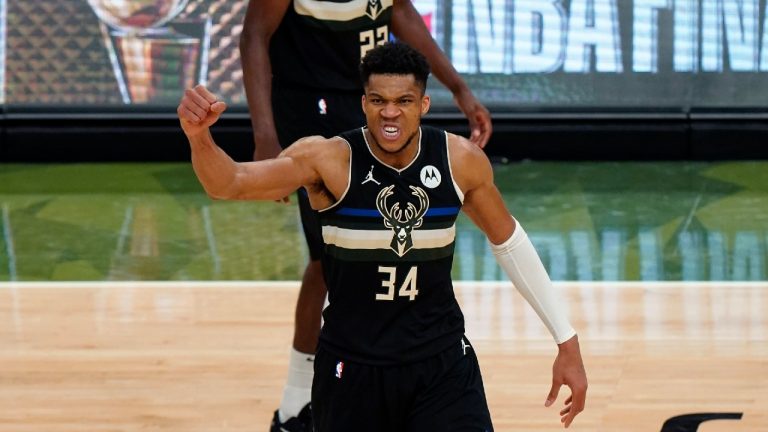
(316, 144)
(317, 149)
(309, 140)
(462, 149)
(469, 164)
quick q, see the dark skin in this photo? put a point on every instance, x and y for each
(261, 21)
(393, 106)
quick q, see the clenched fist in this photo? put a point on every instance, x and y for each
(198, 110)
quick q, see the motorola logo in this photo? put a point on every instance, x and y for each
(430, 177)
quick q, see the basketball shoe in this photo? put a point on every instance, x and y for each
(300, 423)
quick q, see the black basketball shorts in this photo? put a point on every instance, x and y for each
(304, 112)
(442, 393)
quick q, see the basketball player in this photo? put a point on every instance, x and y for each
(392, 355)
(300, 60)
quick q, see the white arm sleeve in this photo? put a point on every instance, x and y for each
(523, 266)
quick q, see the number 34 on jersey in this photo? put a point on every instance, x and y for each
(407, 288)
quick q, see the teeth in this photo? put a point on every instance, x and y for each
(391, 131)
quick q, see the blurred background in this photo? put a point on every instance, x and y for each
(630, 139)
(566, 79)
(630, 136)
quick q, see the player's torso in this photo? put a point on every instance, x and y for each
(319, 44)
(389, 245)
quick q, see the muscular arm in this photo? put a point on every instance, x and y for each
(409, 27)
(261, 21)
(482, 200)
(509, 242)
(516, 255)
(271, 179)
(223, 178)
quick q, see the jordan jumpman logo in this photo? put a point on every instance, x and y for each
(369, 177)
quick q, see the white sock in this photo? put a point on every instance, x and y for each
(298, 387)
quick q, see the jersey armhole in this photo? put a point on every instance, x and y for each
(349, 180)
(459, 193)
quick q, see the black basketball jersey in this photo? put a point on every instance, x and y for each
(319, 44)
(388, 254)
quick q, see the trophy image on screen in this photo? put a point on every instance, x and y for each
(154, 55)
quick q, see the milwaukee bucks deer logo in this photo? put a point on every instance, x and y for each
(373, 9)
(402, 222)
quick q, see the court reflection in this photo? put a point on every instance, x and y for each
(589, 222)
(666, 316)
(149, 238)
(630, 253)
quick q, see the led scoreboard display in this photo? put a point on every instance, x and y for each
(515, 54)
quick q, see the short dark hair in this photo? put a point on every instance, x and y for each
(395, 58)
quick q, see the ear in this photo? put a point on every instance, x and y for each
(362, 102)
(425, 103)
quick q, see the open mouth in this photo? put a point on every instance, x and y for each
(391, 132)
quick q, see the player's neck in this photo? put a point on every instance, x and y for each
(398, 158)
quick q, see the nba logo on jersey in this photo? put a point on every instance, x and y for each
(339, 369)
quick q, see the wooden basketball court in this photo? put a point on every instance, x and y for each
(194, 357)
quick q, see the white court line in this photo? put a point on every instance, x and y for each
(8, 235)
(295, 284)
(127, 220)
(12, 275)
(695, 207)
(209, 235)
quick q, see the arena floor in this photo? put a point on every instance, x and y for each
(129, 301)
